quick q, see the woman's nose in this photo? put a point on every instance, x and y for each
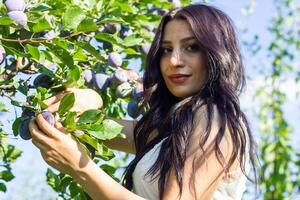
(177, 59)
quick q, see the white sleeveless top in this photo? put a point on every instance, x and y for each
(230, 188)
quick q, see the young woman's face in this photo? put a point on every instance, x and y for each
(182, 63)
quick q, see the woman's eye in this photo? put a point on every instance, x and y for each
(193, 48)
(166, 50)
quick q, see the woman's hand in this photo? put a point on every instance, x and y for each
(58, 148)
(85, 99)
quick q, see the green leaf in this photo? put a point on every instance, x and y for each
(132, 40)
(5, 21)
(107, 37)
(74, 72)
(90, 116)
(107, 130)
(40, 8)
(45, 70)
(112, 20)
(34, 51)
(108, 169)
(11, 154)
(89, 48)
(130, 51)
(66, 103)
(3, 107)
(87, 25)
(69, 122)
(104, 152)
(41, 25)
(16, 126)
(72, 17)
(3, 187)
(6, 175)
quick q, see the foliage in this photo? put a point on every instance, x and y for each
(279, 159)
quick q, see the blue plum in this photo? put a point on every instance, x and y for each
(120, 76)
(101, 81)
(137, 93)
(15, 5)
(19, 17)
(88, 77)
(133, 109)
(48, 117)
(115, 59)
(43, 80)
(24, 129)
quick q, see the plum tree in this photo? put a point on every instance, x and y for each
(101, 81)
(115, 59)
(123, 90)
(120, 76)
(43, 80)
(19, 17)
(15, 5)
(48, 117)
(2, 54)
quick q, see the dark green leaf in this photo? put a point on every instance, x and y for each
(6, 175)
(72, 17)
(90, 116)
(34, 51)
(87, 25)
(66, 103)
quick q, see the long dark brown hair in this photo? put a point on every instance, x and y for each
(174, 119)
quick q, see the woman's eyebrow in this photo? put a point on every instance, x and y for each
(182, 40)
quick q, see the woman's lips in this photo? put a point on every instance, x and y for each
(179, 78)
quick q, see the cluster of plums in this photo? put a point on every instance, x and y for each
(16, 10)
(125, 84)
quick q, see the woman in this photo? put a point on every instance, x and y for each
(194, 142)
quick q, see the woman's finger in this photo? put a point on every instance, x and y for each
(47, 128)
(53, 107)
(55, 98)
(39, 139)
(60, 127)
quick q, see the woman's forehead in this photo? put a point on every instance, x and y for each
(177, 30)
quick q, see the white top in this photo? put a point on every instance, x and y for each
(230, 188)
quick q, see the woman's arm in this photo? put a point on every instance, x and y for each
(61, 151)
(95, 102)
